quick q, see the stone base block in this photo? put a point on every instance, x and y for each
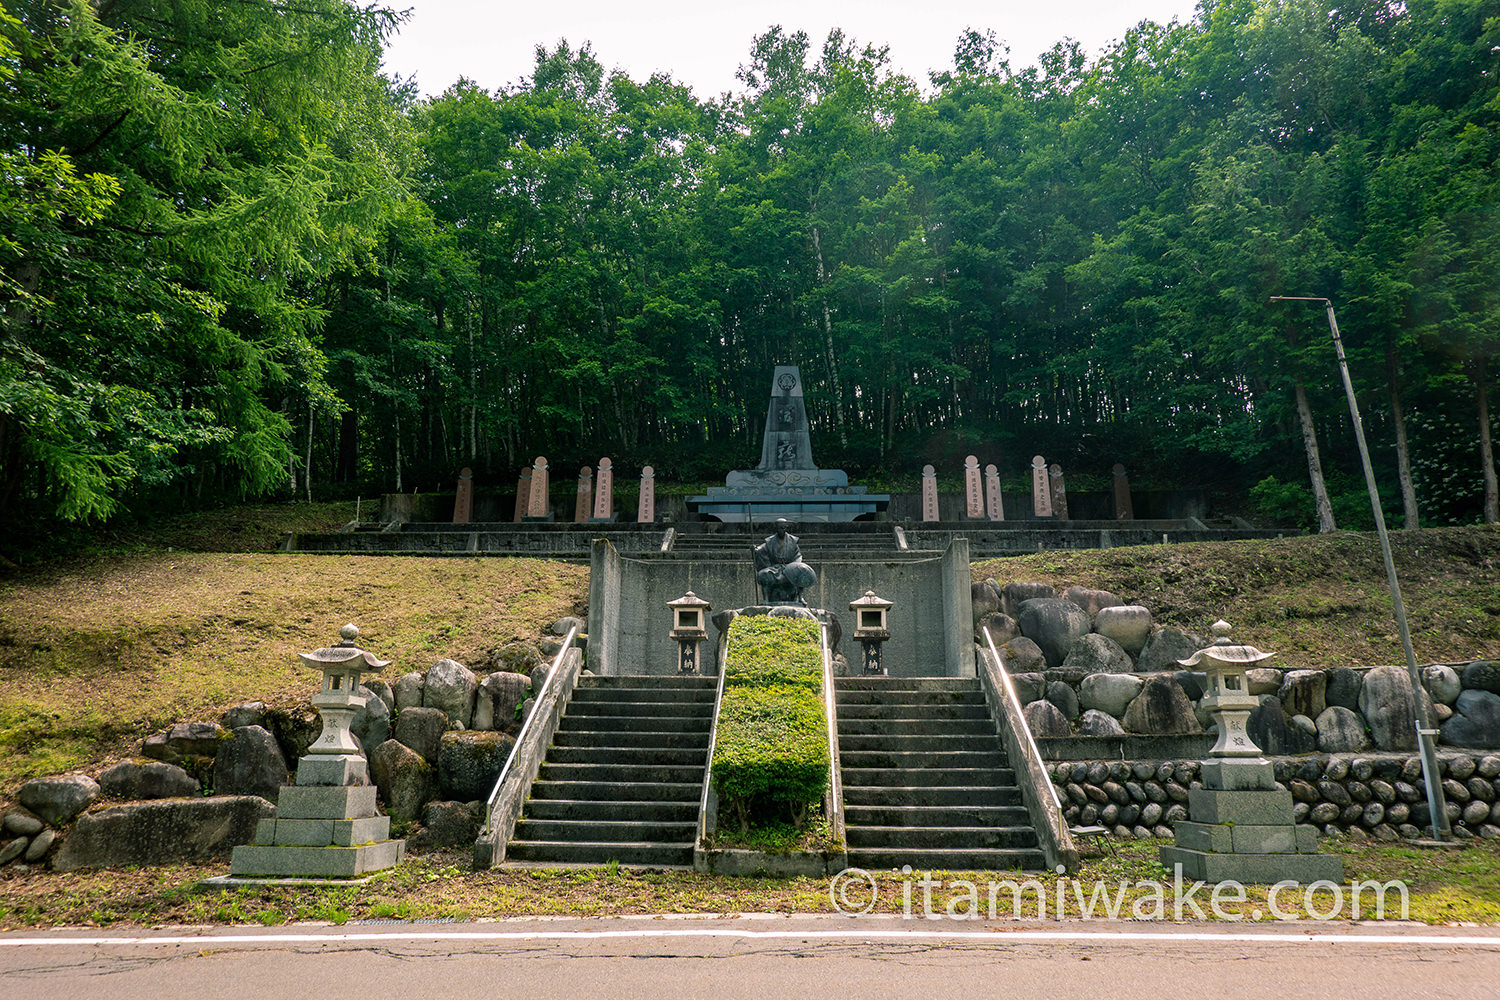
(1239, 775)
(1259, 869)
(325, 802)
(323, 832)
(339, 769)
(1257, 808)
(318, 862)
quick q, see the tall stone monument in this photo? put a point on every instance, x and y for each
(523, 494)
(539, 508)
(1041, 492)
(929, 494)
(1124, 508)
(583, 505)
(604, 491)
(973, 490)
(787, 482)
(1057, 490)
(463, 499)
(645, 510)
(994, 503)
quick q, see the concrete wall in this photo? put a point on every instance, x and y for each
(931, 623)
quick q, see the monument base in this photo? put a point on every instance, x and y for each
(320, 830)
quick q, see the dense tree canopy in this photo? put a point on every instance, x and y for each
(235, 259)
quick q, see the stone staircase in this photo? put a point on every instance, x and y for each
(623, 777)
(926, 779)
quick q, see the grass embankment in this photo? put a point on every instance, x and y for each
(1445, 887)
(1318, 601)
(95, 655)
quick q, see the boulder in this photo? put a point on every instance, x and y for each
(1044, 719)
(500, 694)
(1161, 707)
(162, 832)
(1021, 655)
(421, 730)
(403, 777)
(251, 713)
(371, 724)
(185, 739)
(1096, 723)
(1165, 648)
(549, 647)
(1054, 625)
(295, 729)
(1092, 601)
(1013, 595)
(135, 779)
(1194, 683)
(408, 692)
(1273, 732)
(382, 690)
(1262, 680)
(450, 686)
(1342, 687)
(12, 849)
(1386, 701)
(40, 845)
(250, 763)
(448, 824)
(984, 599)
(58, 799)
(1001, 626)
(1030, 686)
(1476, 721)
(1109, 693)
(22, 821)
(1341, 731)
(1097, 654)
(539, 676)
(1303, 692)
(566, 624)
(1482, 675)
(1129, 625)
(515, 658)
(1441, 682)
(1061, 694)
(468, 763)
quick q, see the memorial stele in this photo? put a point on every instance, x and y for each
(787, 482)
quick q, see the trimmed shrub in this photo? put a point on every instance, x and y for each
(771, 754)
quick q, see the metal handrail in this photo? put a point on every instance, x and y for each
(836, 779)
(489, 804)
(1010, 692)
(713, 737)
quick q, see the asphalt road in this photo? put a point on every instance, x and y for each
(783, 958)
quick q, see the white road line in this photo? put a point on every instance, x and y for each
(986, 937)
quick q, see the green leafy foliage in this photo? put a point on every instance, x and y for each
(771, 751)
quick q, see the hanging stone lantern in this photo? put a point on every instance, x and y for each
(688, 629)
(870, 629)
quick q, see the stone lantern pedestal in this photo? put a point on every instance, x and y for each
(326, 825)
(1240, 825)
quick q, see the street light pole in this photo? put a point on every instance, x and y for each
(1425, 732)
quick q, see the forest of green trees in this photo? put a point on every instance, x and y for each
(238, 261)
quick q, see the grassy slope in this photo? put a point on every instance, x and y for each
(1318, 601)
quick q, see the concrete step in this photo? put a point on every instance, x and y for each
(611, 791)
(933, 795)
(913, 712)
(893, 684)
(655, 709)
(691, 699)
(646, 681)
(636, 723)
(946, 859)
(928, 816)
(850, 726)
(624, 773)
(660, 756)
(695, 740)
(847, 697)
(938, 742)
(990, 777)
(630, 811)
(951, 837)
(898, 759)
(601, 830)
(644, 855)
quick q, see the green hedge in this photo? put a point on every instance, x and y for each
(771, 754)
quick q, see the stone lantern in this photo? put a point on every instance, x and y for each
(688, 629)
(1228, 697)
(336, 755)
(870, 628)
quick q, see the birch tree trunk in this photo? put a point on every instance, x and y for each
(1410, 518)
(1314, 463)
(1486, 447)
(833, 365)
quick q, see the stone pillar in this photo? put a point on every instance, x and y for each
(583, 509)
(463, 500)
(1059, 492)
(1041, 493)
(604, 491)
(539, 508)
(1124, 509)
(645, 512)
(993, 501)
(973, 492)
(523, 494)
(929, 493)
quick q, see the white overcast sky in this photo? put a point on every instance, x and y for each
(701, 44)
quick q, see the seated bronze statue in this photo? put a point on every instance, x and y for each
(779, 569)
